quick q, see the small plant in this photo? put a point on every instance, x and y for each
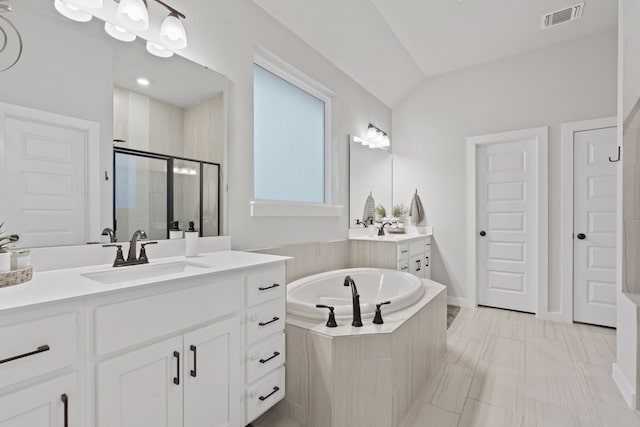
(381, 211)
(6, 240)
(399, 210)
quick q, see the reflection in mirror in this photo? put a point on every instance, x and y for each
(370, 172)
(79, 78)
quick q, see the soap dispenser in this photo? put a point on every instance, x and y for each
(174, 231)
(191, 241)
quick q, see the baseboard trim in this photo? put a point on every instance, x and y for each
(623, 385)
(460, 302)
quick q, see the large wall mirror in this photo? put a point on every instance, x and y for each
(370, 174)
(98, 133)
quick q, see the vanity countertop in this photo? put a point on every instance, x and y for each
(395, 238)
(68, 284)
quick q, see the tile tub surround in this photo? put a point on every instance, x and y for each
(367, 376)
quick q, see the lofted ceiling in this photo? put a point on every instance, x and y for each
(390, 46)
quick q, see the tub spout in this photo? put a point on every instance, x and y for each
(357, 318)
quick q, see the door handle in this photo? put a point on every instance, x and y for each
(419, 265)
(176, 379)
(581, 236)
(483, 233)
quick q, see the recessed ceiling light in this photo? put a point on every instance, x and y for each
(142, 81)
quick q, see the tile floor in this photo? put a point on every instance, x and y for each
(509, 369)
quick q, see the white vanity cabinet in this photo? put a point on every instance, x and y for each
(407, 253)
(173, 371)
(41, 367)
(265, 340)
(191, 380)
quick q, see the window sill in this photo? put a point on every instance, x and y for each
(291, 209)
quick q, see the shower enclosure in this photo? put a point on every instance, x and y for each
(153, 190)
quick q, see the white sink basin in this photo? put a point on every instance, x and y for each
(145, 271)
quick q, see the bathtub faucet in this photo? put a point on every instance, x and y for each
(357, 319)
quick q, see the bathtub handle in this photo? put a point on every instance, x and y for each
(331, 323)
(275, 285)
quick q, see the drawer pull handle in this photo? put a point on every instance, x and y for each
(275, 390)
(176, 380)
(65, 401)
(404, 268)
(404, 251)
(275, 319)
(39, 350)
(275, 285)
(194, 371)
(275, 354)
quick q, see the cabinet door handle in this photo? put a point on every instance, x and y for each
(65, 401)
(176, 379)
(40, 349)
(194, 371)
(419, 265)
(275, 354)
(275, 285)
(275, 390)
(426, 260)
(275, 319)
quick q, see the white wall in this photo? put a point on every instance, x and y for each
(223, 34)
(563, 83)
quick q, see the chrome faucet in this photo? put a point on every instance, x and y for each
(357, 318)
(109, 232)
(133, 247)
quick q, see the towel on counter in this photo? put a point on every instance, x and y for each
(416, 211)
(369, 213)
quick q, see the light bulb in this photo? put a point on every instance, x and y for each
(157, 50)
(386, 142)
(118, 33)
(371, 132)
(133, 14)
(172, 33)
(71, 11)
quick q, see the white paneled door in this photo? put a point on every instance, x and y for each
(508, 224)
(44, 180)
(594, 225)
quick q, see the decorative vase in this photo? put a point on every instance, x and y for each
(5, 262)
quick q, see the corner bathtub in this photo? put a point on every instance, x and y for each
(374, 285)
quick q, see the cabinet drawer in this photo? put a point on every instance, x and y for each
(124, 324)
(264, 358)
(265, 285)
(36, 347)
(266, 319)
(264, 394)
(416, 247)
(403, 251)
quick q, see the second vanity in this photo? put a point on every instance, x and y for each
(192, 342)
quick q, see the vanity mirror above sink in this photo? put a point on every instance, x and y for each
(370, 173)
(99, 133)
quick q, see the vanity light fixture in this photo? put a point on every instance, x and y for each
(131, 19)
(71, 11)
(375, 138)
(133, 14)
(118, 33)
(158, 50)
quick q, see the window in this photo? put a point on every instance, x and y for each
(292, 154)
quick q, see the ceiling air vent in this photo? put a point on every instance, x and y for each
(561, 16)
